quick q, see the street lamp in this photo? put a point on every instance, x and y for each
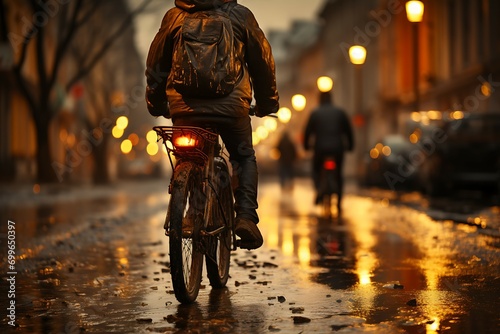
(325, 84)
(414, 10)
(357, 56)
(415, 13)
(284, 115)
(298, 102)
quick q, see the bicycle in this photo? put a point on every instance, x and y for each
(329, 186)
(200, 215)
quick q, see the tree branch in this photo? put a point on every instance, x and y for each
(84, 70)
(40, 58)
(23, 87)
(28, 95)
(24, 49)
(63, 45)
(89, 13)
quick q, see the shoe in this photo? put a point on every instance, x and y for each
(187, 226)
(249, 234)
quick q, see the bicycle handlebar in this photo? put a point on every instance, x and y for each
(252, 112)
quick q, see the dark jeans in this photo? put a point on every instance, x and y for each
(318, 160)
(236, 133)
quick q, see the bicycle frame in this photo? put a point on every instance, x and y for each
(199, 145)
(200, 212)
(329, 184)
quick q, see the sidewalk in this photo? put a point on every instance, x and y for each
(31, 194)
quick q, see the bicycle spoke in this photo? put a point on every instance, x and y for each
(185, 261)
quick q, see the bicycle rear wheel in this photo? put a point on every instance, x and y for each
(219, 245)
(328, 188)
(327, 205)
(186, 209)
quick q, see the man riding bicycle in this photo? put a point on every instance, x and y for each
(229, 114)
(332, 132)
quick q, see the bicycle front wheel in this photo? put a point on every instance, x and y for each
(222, 216)
(186, 209)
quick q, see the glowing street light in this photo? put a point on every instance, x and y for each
(284, 115)
(117, 132)
(325, 84)
(298, 102)
(414, 11)
(152, 136)
(271, 124)
(255, 139)
(126, 146)
(152, 149)
(122, 122)
(357, 54)
(262, 132)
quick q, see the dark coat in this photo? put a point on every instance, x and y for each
(331, 130)
(254, 57)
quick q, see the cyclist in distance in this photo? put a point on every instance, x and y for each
(332, 132)
(254, 66)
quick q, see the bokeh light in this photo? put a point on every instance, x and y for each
(126, 146)
(271, 124)
(117, 132)
(325, 84)
(152, 149)
(122, 122)
(284, 115)
(152, 136)
(298, 102)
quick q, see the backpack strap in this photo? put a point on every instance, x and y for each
(228, 7)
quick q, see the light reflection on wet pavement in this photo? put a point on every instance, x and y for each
(101, 266)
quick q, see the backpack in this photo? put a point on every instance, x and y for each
(204, 61)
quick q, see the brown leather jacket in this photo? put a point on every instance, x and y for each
(252, 48)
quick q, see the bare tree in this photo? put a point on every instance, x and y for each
(51, 30)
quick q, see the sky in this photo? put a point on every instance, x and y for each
(278, 14)
(271, 14)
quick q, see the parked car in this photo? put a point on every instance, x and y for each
(464, 155)
(388, 165)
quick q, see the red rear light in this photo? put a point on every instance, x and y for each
(186, 139)
(329, 164)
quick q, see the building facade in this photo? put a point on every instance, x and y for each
(100, 77)
(449, 61)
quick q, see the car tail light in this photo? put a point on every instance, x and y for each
(329, 164)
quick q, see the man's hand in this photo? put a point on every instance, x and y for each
(161, 110)
(157, 103)
(158, 110)
(255, 110)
